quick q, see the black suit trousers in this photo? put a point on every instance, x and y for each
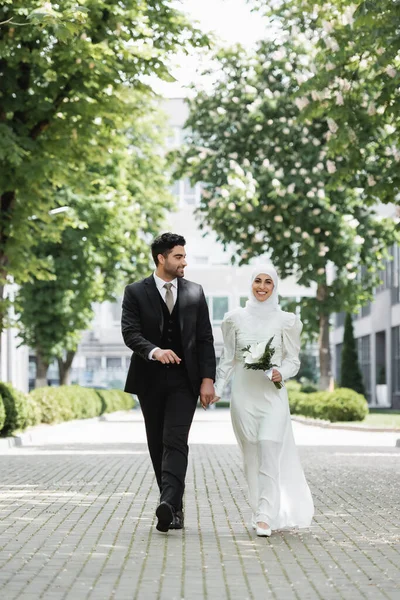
(168, 406)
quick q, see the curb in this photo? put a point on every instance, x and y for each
(329, 425)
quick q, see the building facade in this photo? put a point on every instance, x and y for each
(377, 329)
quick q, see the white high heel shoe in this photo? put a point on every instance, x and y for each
(261, 532)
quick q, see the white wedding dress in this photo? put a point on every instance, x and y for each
(278, 491)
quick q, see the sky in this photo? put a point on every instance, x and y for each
(231, 20)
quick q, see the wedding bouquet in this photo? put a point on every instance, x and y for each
(259, 358)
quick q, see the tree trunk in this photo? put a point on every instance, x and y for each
(325, 380)
(41, 370)
(64, 367)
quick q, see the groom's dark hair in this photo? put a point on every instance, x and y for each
(164, 243)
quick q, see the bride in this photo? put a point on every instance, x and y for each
(279, 495)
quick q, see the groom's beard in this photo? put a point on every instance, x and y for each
(174, 272)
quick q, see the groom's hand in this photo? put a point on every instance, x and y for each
(166, 357)
(207, 392)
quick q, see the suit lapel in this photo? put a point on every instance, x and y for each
(154, 297)
(183, 296)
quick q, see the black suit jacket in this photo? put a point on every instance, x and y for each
(142, 326)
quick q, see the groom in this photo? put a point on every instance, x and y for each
(165, 322)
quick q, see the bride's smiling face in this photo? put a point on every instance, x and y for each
(262, 287)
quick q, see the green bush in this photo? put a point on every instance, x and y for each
(292, 386)
(340, 405)
(308, 388)
(2, 413)
(66, 402)
(113, 400)
(34, 413)
(16, 408)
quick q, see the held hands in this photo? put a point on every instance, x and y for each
(166, 357)
(207, 392)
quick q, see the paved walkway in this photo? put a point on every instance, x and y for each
(77, 519)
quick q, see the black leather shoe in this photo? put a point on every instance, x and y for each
(177, 521)
(165, 515)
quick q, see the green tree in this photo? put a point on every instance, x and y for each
(104, 245)
(350, 374)
(67, 75)
(268, 185)
(353, 86)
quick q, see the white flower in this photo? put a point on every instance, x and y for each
(332, 44)
(291, 188)
(258, 127)
(380, 51)
(275, 183)
(286, 130)
(235, 99)
(351, 275)
(305, 235)
(221, 111)
(286, 234)
(270, 121)
(317, 230)
(391, 71)
(232, 206)
(278, 218)
(301, 103)
(321, 194)
(234, 155)
(359, 240)
(297, 229)
(224, 193)
(316, 211)
(254, 353)
(339, 99)
(329, 66)
(330, 165)
(333, 126)
(249, 89)
(321, 271)
(310, 194)
(327, 26)
(371, 109)
(371, 180)
(246, 163)
(266, 163)
(279, 173)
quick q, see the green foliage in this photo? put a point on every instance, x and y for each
(114, 400)
(340, 405)
(102, 247)
(67, 402)
(350, 369)
(308, 388)
(64, 403)
(34, 413)
(16, 408)
(354, 86)
(73, 78)
(2, 414)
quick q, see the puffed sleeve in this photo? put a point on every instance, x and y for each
(227, 360)
(291, 347)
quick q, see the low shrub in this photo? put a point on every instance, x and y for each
(34, 414)
(308, 388)
(66, 402)
(16, 408)
(2, 414)
(113, 400)
(292, 385)
(340, 405)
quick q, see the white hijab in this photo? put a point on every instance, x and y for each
(254, 306)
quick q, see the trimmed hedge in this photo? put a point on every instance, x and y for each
(113, 400)
(2, 413)
(66, 402)
(342, 404)
(16, 408)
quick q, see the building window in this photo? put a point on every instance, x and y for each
(114, 362)
(243, 300)
(396, 365)
(217, 306)
(364, 358)
(339, 319)
(185, 194)
(396, 275)
(93, 363)
(116, 310)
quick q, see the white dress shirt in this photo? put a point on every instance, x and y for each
(163, 291)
